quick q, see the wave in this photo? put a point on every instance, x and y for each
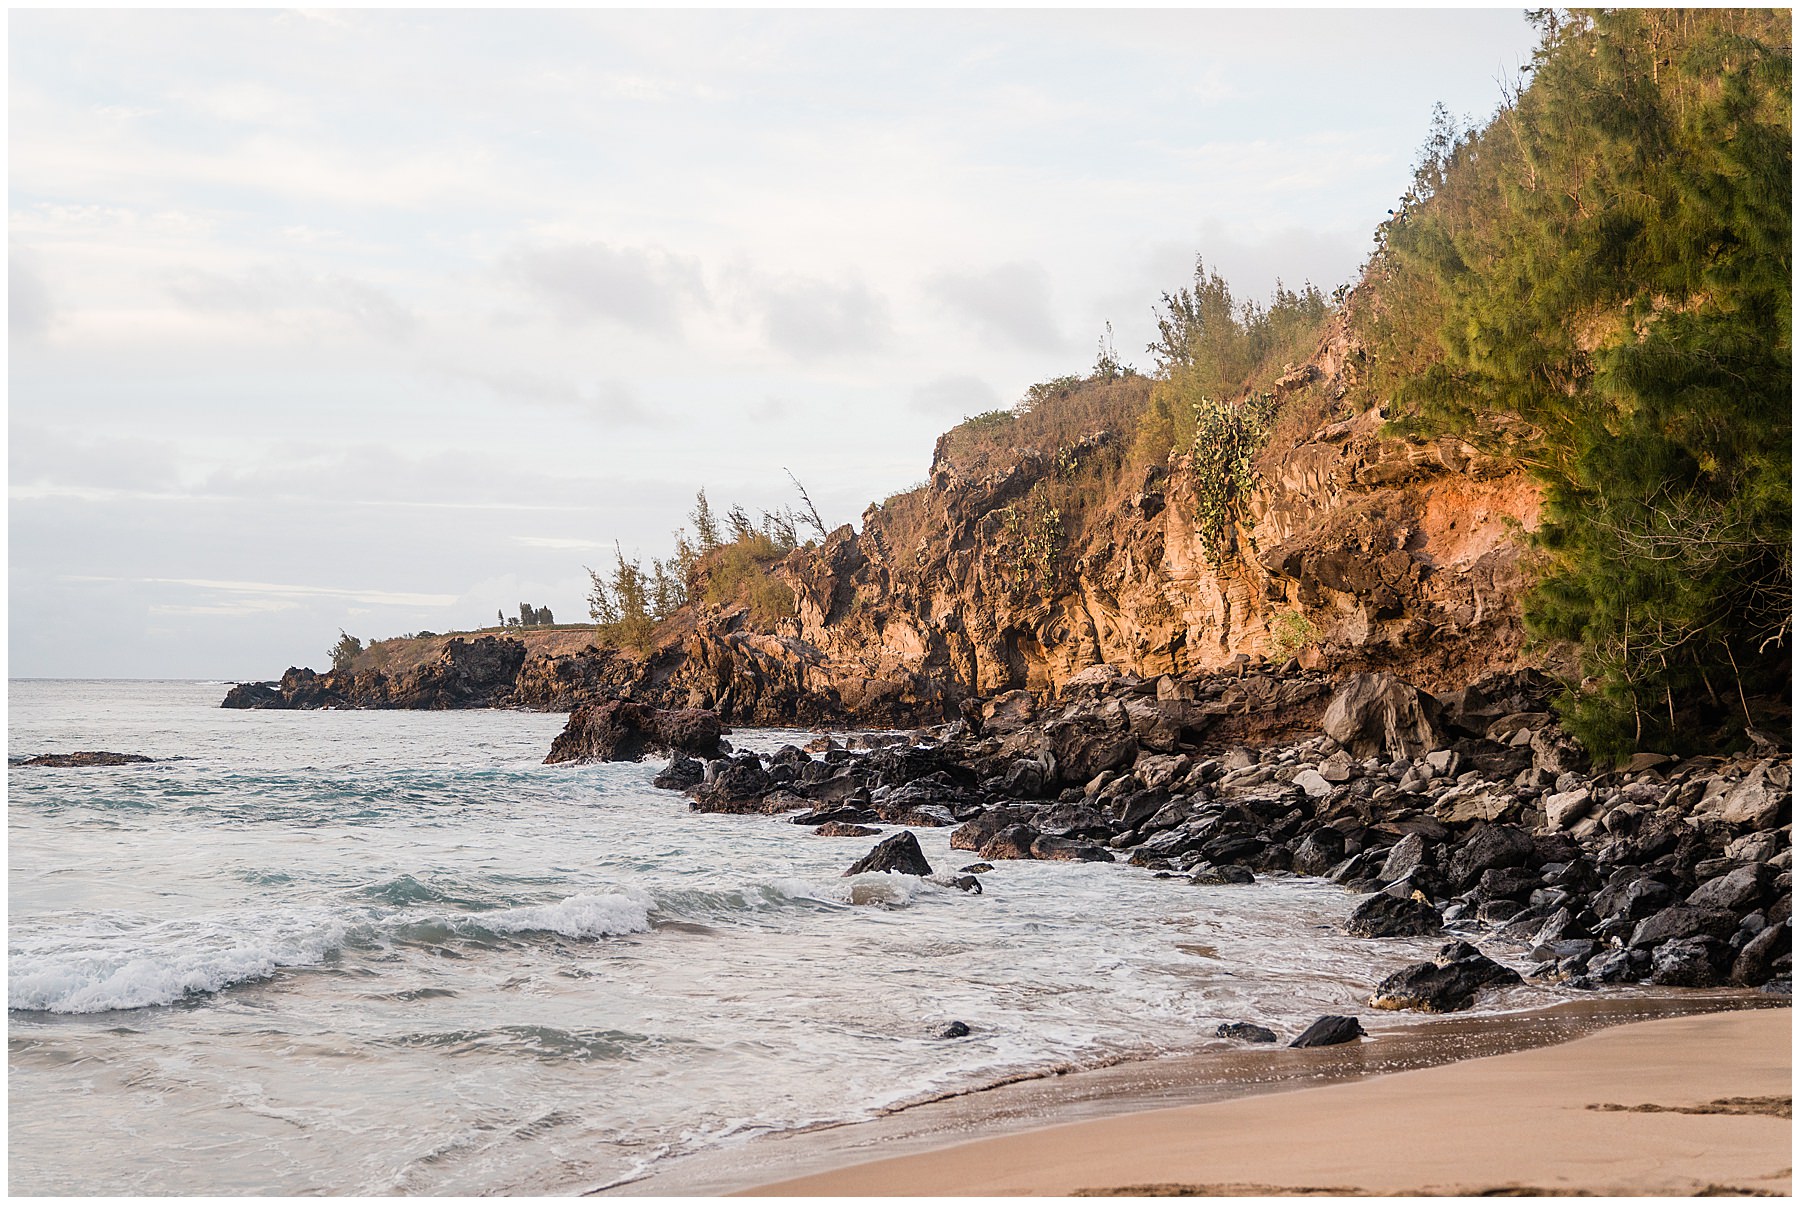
(579, 916)
(114, 963)
(540, 1042)
(163, 965)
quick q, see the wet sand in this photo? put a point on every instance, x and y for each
(1667, 1107)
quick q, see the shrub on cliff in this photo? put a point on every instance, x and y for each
(1598, 283)
(345, 651)
(1211, 349)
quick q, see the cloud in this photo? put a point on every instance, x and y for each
(289, 297)
(276, 590)
(959, 395)
(1009, 302)
(243, 102)
(236, 608)
(562, 543)
(610, 401)
(29, 312)
(584, 282)
(819, 318)
(769, 409)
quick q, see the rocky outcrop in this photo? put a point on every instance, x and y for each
(66, 761)
(1652, 883)
(1015, 570)
(619, 731)
(465, 673)
(1356, 551)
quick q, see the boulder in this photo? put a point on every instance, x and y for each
(1739, 890)
(1012, 842)
(617, 730)
(1061, 849)
(681, 773)
(837, 828)
(1319, 851)
(1244, 1031)
(1757, 802)
(899, 854)
(1315, 784)
(731, 785)
(1090, 738)
(1221, 876)
(1374, 714)
(1382, 915)
(1680, 921)
(1448, 983)
(979, 831)
(1005, 714)
(1564, 809)
(1507, 883)
(1407, 855)
(1753, 964)
(1329, 1030)
(1488, 847)
(1633, 897)
(1688, 962)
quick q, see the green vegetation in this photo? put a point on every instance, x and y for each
(1051, 415)
(344, 652)
(1598, 283)
(1031, 540)
(1291, 631)
(629, 603)
(1228, 437)
(1212, 348)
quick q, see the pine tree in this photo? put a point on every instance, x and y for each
(1606, 268)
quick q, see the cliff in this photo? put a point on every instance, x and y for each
(1039, 548)
(1353, 552)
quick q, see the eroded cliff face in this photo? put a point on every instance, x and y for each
(1354, 552)
(1018, 568)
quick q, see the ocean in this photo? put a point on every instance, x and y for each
(392, 952)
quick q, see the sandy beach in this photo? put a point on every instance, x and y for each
(1669, 1107)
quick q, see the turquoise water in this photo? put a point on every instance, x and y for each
(372, 952)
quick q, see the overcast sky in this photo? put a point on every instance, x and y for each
(389, 320)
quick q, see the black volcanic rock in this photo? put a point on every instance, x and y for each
(899, 854)
(63, 761)
(617, 730)
(248, 695)
(1330, 1030)
(1445, 984)
(1383, 915)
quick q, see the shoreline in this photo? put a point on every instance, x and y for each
(1224, 1074)
(1698, 1103)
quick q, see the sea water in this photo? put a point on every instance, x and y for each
(364, 952)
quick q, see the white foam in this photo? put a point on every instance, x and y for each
(584, 915)
(160, 965)
(875, 887)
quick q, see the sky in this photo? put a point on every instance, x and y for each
(387, 321)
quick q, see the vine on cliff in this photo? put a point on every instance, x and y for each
(1032, 530)
(1228, 436)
